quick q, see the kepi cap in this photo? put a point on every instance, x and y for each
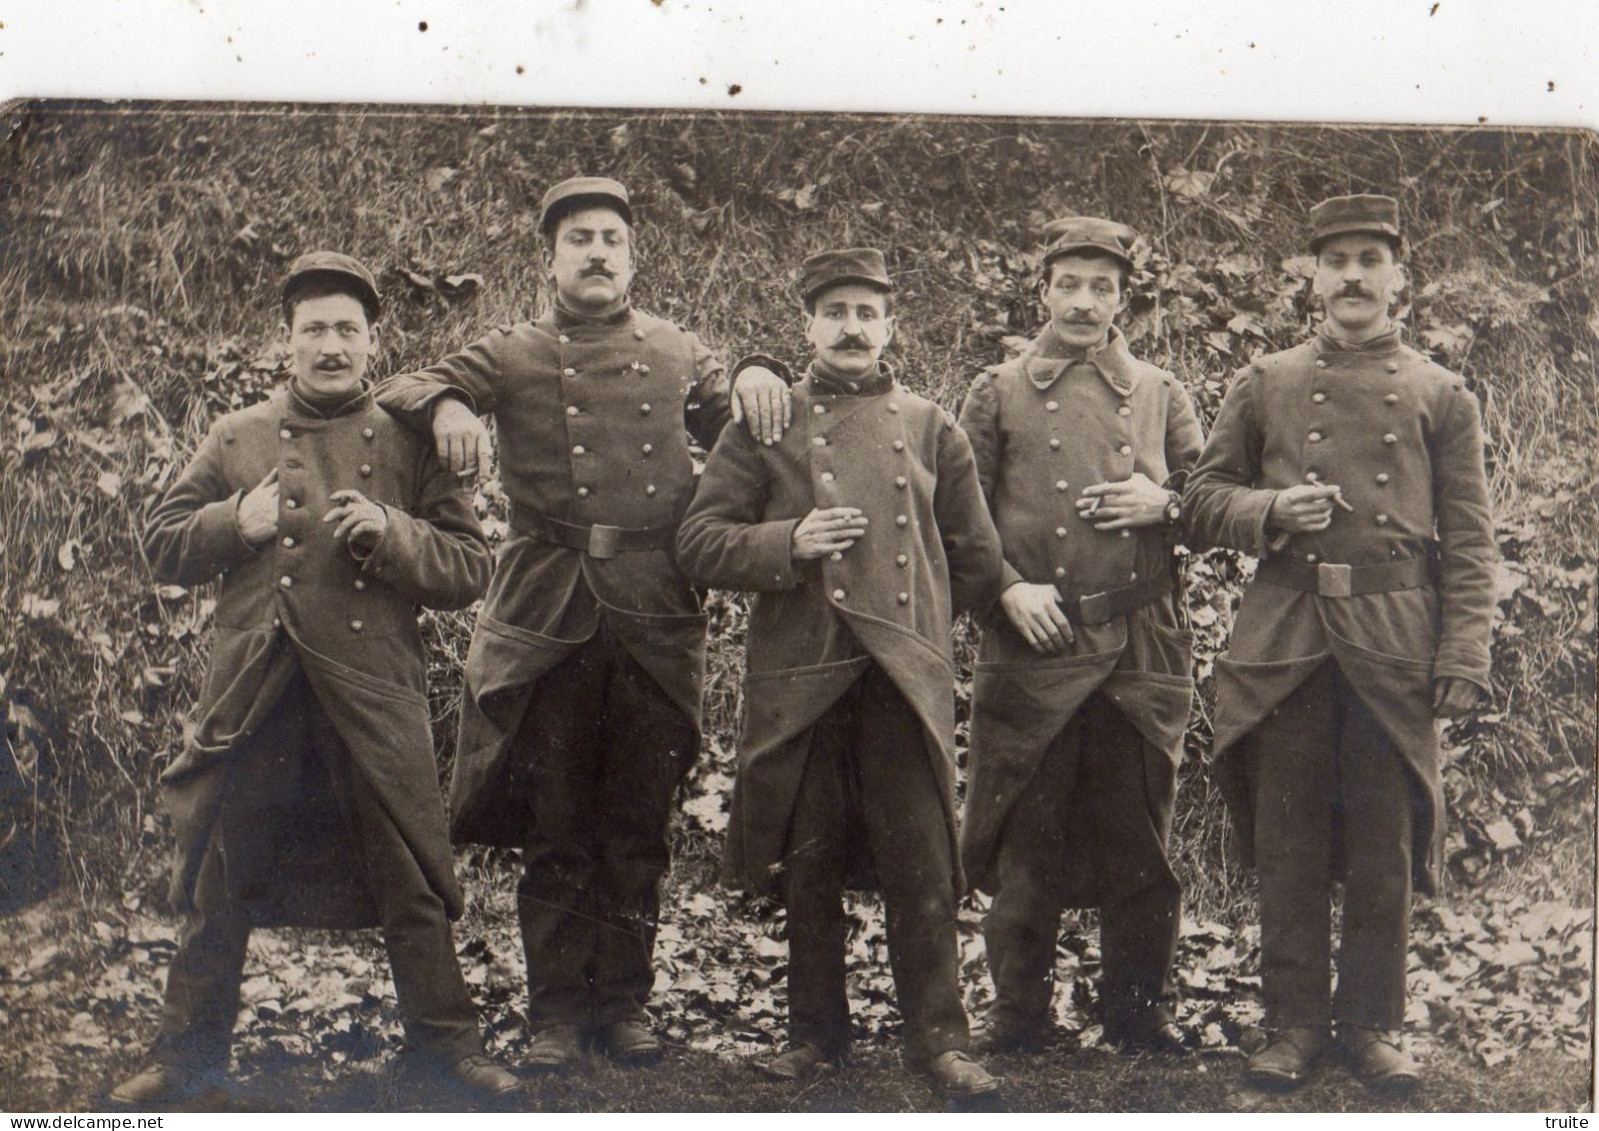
(1088, 233)
(1366, 212)
(582, 192)
(847, 265)
(338, 265)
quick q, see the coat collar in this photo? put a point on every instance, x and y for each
(1383, 343)
(1048, 357)
(565, 318)
(319, 409)
(819, 384)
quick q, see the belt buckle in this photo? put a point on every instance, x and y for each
(1333, 579)
(603, 541)
(1095, 608)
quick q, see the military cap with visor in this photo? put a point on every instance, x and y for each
(574, 193)
(846, 265)
(1365, 213)
(334, 266)
(1079, 235)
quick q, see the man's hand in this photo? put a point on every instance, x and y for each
(258, 512)
(1135, 501)
(360, 519)
(1035, 611)
(461, 438)
(829, 530)
(1453, 697)
(762, 398)
(1303, 509)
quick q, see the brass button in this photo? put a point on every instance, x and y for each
(579, 450)
(901, 560)
(1321, 363)
(1382, 478)
(1061, 484)
(904, 598)
(1311, 558)
(644, 370)
(644, 410)
(1125, 449)
(1382, 520)
(277, 623)
(819, 409)
(1124, 410)
(289, 542)
(1311, 476)
(838, 594)
(901, 520)
(366, 433)
(1314, 437)
(582, 492)
(1060, 571)
(1391, 398)
(901, 482)
(1126, 533)
(1319, 398)
(568, 372)
(571, 410)
(638, 335)
(838, 555)
(827, 477)
(356, 626)
(1133, 576)
(892, 407)
(1389, 438)
(291, 504)
(647, 449)
(820, 441)
(1054, 444)
(286, 581)
(285, 434)
(650, 490)
(899, 445)
(1052, 406)
(563, 339)
(1392, 367)
(360, 584)
(366, 469)
(1060, 532)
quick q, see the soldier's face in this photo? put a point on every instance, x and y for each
(331, 342)
(592, 260)
(849, 325)
(1083, 294)
(1358, 281)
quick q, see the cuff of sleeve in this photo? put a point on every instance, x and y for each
(433, 398)
(750, 361)
(1009, 575)
(374, 558)
(1447, 668)
(220, 537)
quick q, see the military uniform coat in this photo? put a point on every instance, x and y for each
(1403, 439)
(930, 551)
(349, 623)
(1043, 426)
(590, 416)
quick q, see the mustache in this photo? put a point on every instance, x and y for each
(852, 342)
(597, 269)
(1081, 320)
(331, 363)
(1354, 290)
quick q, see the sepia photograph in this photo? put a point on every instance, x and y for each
(575, 608)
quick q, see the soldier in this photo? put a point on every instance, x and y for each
(1082, 688)
(582, 701)
(306, 793)
(1352, 467)
(861, 533)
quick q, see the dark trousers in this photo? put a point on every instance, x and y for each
(1328, 783)
(202, 999)
(1097, 771)
(599, 755)
(868, 763)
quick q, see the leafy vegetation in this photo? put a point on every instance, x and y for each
(140, 253)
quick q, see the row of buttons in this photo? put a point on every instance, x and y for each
(564, 339)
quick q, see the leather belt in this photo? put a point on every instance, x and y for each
(1329, 579)
(1102, 608)
(597, 541)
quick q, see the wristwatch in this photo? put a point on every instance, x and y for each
(1173, 513)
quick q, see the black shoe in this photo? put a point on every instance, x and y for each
(998, 1037)
(629, 1042)
(1378, 1058)
(479, 1075)
(1165, 1037)
(160, 1082)
(1289, 1058)
(797, 1063)
(555, 1048)
(958, 1077)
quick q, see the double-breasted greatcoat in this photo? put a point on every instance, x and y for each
(306, 602)
(930, 551)
(590, 416)
(1043, 426)
(1402, 437)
